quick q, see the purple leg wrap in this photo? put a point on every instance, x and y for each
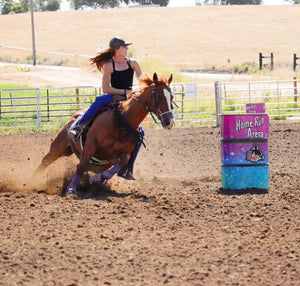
(71, 189)
(109, 173)
(100, 179)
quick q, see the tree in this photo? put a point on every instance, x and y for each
(293, 1)
(161, 2)
(47, 5)
(11, 6)
(79, 4)
(52, 5)
(23, 6)
(231, 2)
(6, 7)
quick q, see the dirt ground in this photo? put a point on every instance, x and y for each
(173, 226)
(40, 77)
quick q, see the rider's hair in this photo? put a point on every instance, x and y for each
(103, 57)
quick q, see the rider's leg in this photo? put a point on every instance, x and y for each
(127, 171)
(78, 126)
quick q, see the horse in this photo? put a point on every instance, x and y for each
(113, 133)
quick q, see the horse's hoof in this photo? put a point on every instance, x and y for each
(98, 179)
(70, 191)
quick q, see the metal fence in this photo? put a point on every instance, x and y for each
(281, 98)
(196, 103)
(42, 109)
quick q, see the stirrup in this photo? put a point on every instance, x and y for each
(75, 132)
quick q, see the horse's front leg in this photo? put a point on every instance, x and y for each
(84, 159)
(101, 179)
(71, 188)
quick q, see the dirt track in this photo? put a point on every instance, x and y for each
(173, 226)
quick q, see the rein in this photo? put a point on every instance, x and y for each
(147, 107)
(138, 134)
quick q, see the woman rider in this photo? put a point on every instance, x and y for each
(118, 71)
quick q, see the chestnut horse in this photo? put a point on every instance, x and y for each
(113, 133)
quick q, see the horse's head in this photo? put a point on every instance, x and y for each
(161, 100)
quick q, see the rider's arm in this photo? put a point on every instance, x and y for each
(136, 67)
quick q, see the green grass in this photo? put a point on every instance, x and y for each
(12, 86)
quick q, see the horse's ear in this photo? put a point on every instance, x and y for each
(155, 79)
(170, 79)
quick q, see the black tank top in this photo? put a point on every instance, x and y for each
(122, 79)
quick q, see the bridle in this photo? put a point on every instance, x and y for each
(154, 106)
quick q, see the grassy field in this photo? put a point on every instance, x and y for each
(191, 37)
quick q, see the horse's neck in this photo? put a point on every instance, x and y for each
(135, 110)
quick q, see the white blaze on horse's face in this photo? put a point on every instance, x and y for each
(168, 121)
(168, 98)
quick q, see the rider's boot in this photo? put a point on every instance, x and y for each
(79, 126)
(77, 129)
(127, 171)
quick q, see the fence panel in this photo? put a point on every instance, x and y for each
(42, 109)
(281, 98)
(195, 103)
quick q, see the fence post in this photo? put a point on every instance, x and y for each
(217, 100)
(295, 62)
(278, 98)
(260, 60)
(271, 57)
(272, 61)
(48, 105)
(295, 92)
(38, 110)
(77, 95)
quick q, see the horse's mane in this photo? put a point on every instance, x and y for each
(145, 80)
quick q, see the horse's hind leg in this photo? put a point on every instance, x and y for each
(48, 159)
(59, 147)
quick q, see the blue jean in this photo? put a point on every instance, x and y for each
(96, 105)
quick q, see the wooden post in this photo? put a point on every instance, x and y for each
(260, 60)
(77, 95)
(295, 62)
(33, 35)
(295, 92)
(272, 61)
(271, 57)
